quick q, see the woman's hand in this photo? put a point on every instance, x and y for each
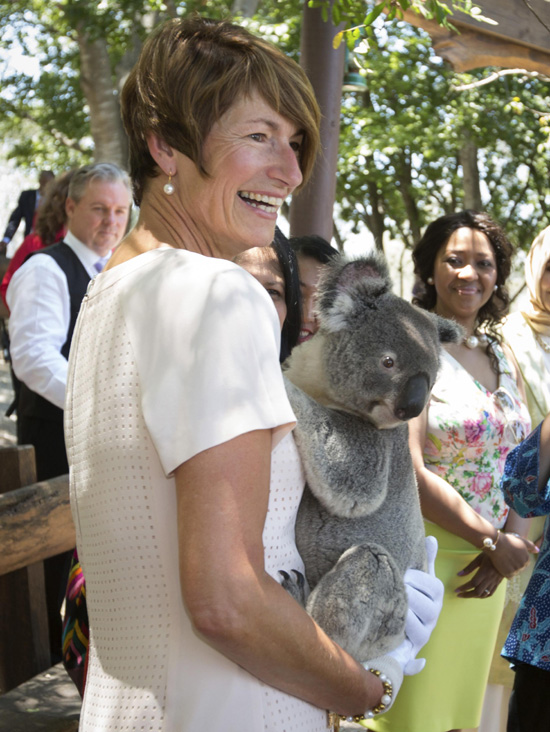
(483, 583)
(511, 554)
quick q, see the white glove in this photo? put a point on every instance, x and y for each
(425, 595)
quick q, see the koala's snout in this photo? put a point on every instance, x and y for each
(412, 399)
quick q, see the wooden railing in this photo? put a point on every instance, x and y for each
(35, 523)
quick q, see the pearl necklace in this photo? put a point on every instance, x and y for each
(543, 344)
(473, 341)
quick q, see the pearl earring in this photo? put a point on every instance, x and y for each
(430, 280)
(495, 288)
(169, 187)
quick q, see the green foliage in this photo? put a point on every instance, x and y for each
(401, 140)
(356, 14)
(46, 119)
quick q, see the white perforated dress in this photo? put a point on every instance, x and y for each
(173, 353)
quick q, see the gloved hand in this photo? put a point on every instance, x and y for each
(425, 595)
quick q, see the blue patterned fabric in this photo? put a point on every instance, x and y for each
(529, 637)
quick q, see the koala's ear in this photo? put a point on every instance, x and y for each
(348, 286)
(449, 330)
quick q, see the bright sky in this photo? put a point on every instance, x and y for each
(14, 61)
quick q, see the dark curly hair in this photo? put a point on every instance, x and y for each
(51, 218)
(436, 236)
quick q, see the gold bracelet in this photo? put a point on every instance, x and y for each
(385, 701)
(489, 544)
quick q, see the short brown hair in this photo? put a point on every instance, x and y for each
(189, 74)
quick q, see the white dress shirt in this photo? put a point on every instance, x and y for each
(40, 315)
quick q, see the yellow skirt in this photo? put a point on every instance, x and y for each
(448, 693)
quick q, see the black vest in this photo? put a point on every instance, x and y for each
(29, 403)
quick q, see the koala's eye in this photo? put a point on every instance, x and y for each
(387, 362)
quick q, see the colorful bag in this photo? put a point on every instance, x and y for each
(76, 634)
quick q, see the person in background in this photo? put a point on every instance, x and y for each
(44, 297)
(527, 335)
(50, 228)
(474, 417)
(26, 209)
(526, 488)
(527, 332)
(185, 479)
(276, 269)
(312, 253)
(51, 224)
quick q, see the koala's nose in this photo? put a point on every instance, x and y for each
(413, 398)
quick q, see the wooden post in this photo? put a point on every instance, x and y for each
(24, 639)
(311, 209)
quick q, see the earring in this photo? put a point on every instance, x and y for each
(430, 280)
(169, 187)
(495, 288)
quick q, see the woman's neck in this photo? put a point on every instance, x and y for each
(469, 323)
(160, 223)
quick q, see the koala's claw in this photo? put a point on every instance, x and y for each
(295, 586)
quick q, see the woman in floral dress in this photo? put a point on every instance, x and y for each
(459, 446)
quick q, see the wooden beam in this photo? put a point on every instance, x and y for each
(35, 523)
(473, 49)
(517, 22)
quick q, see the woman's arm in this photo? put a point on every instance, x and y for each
(443, 505)
(233, 603)
(544, 454)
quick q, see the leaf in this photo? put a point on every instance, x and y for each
(375, 12)
(337, 40)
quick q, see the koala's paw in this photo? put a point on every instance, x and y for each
(295, 585)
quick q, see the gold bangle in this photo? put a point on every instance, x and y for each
(489, 544)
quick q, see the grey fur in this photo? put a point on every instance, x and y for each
(353, 386)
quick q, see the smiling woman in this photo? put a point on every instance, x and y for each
(185, 479)
(475, 416)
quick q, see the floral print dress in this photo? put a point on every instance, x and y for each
(470, 432)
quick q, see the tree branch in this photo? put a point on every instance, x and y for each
(496, 75)
(56, 134)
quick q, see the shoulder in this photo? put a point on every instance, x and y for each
(179, 274)
(189, 289)
(515, 327)
(37, 272)
(37, 278)
(39, 261)
(27, 195)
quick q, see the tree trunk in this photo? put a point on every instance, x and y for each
(96, 79)
(311, 210)
(470, 174)
(404, 179)
(376, 218)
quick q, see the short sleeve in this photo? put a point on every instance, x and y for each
(206, 343)
(520, 480)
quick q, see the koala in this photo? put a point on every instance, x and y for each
(353, 387)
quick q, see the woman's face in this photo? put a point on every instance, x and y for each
(465, 274)
(545, 287)
(252, 158)
(262, 263)
(309, 270)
